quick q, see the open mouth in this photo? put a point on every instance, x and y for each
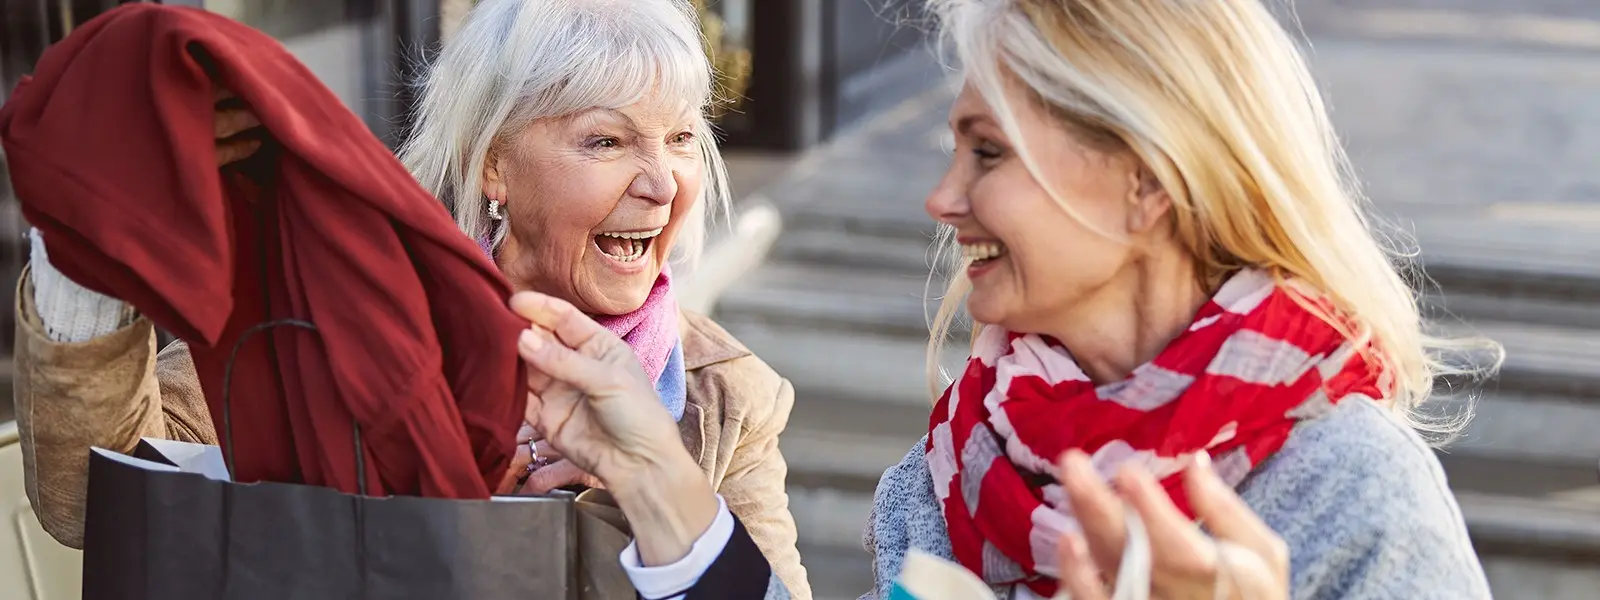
(979, 254)
(626, 246)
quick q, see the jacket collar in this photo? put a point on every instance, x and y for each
(705, 343)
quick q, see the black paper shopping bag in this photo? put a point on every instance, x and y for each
(167, 523)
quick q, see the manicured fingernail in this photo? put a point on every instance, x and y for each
(1202, 460)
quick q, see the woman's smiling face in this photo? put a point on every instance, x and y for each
(594, 201)
(1032, 262)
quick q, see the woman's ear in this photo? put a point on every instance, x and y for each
(494, 186)
(1148, 200)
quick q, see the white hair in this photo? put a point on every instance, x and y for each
(514, 62)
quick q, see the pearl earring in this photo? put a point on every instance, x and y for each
(494, 210)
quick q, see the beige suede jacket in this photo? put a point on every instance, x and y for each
(111, 391)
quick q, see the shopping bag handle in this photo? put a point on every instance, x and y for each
(227, 397)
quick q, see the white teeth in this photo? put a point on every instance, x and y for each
(635, 235)
(982, 250)
(636, 242)
(636, 251)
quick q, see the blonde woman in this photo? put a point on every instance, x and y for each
(1165, 257)
(1167, 265)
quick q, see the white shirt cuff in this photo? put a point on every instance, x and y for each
(657, 582)
(70, 312)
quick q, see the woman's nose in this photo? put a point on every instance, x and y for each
(656, 183)
(947, 203)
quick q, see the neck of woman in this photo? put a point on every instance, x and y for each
(1130, 319)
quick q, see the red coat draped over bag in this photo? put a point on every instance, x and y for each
(111, 151)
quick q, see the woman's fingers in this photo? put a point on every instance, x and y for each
(520, 458)
(523, 456)
(235, 150)
(1097, 508)
(1247, 560)
(232, 118)
(571, 326)
(561, 363)
(557, 475)
(1177, 546)
(526, 433)
(538, 381)
(1079, 575)
(516, 471)
(1244, 574)
(1228, 517)
(547, 452)
(233, 121)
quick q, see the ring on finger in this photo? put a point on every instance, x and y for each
(538, 462)
(533, 453)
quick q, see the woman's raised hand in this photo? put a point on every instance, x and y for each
(235, 128)
(1245, 560)
(589, 397)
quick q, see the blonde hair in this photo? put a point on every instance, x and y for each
(514, 62)
(1216, 99)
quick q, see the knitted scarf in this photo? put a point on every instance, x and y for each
(1253, 363)
(652, 331)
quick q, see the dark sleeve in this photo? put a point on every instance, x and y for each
(741, 572)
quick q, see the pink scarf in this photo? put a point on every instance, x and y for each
(652, 329)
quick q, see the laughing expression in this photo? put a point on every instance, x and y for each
(594, 201)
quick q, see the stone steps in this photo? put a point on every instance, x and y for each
(1498, 276)
(782, 296)
(792, 294)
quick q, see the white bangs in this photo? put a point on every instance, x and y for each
(607, 57)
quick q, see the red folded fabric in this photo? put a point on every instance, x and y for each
(112, 155)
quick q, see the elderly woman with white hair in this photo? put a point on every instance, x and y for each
(1168, 268)
(570, 139)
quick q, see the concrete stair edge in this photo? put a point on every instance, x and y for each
(1505, 525)
(1472, 294)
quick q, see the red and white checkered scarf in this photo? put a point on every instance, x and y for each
(1253, 363)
